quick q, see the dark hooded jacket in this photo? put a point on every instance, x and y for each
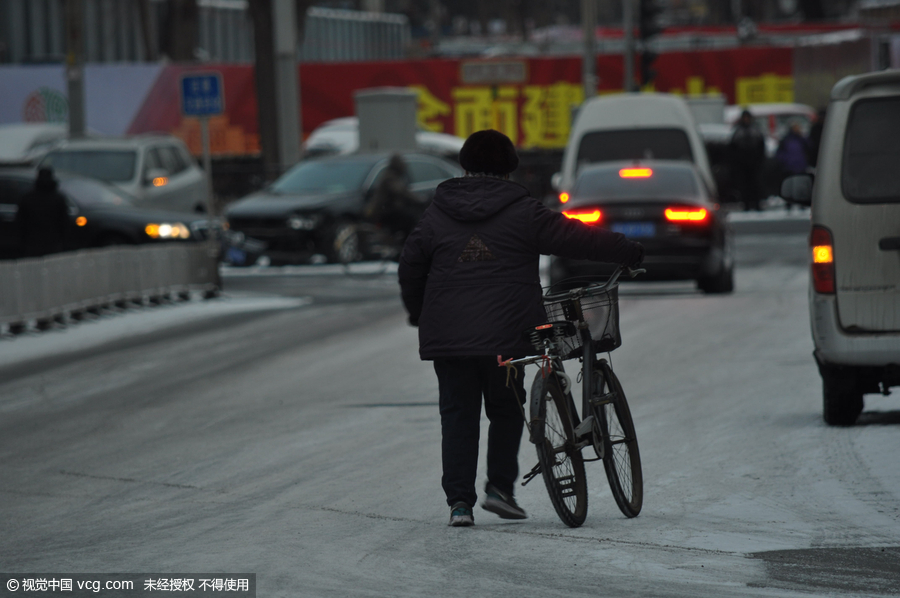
(469, 271)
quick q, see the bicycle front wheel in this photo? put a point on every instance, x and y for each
(562, 466)
(621, 459)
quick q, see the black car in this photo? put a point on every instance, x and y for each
(300, 214)
(101, 215)
(666, 206)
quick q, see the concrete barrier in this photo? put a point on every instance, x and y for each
(40, 289)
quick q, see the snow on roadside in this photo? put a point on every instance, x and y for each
(114, 326)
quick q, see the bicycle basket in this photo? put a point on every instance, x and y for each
(601, 314)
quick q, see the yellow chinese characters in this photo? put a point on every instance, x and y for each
(766, 88)
(530, 115)
(547, 113)
(429, 108)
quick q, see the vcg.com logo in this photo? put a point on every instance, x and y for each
(45, 105)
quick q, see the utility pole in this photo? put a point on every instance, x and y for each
(147, 31)
(628, 30)
(649, 28)
(284, 15)
(589, 58)
(434, 7)
(75, 65)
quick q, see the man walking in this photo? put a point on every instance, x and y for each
(748, 152)
(469, 280)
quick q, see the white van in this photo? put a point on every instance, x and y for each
(633, 126)
(855, 243)
(157, 171)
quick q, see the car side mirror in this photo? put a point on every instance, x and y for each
(556, 180)
(156, 177)
(797, 189)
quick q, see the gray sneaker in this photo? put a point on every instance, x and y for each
(502, 504)
(461, 515)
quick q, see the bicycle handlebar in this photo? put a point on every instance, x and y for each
(593, 288)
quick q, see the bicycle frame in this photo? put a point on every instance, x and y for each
(604, 421)
(588, 357)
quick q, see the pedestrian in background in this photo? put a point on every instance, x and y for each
(748, 153)
(815, 137)
(469, 280)
(43, 217)
(792, 155)
(393, 205)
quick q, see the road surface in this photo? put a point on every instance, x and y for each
(289, 430)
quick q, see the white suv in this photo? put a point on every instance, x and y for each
(156, 170)
(855, 243)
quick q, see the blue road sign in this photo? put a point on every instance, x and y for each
(201, 94)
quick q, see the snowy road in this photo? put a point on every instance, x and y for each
(295, 435)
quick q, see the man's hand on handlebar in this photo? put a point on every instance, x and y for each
(637, 257)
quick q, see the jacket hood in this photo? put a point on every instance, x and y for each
(470, 199)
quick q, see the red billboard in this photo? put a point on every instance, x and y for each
(529, 99)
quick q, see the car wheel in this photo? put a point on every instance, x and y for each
(841, 401)
(345, 247)
(720, 283)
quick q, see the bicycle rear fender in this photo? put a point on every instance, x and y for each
(540, 385)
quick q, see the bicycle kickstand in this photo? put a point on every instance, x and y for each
(531, 474)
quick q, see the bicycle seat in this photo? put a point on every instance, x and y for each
(554, 331)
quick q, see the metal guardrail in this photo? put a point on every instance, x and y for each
(42, 289)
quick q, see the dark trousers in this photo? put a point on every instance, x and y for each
(462, 383)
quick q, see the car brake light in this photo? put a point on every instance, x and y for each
(635, 173)
(822, 259)
(686, 214)
(563, 197)
(591, 217)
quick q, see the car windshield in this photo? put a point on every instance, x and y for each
(328, 176)
(89, 194)
(113, 166)
(665, 182)
(635, 144)
(872, 152)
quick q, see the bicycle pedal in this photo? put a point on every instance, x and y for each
(585, 427)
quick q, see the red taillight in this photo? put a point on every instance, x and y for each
(589, 216)
(563, 197)
(822, 247)
(687, 214)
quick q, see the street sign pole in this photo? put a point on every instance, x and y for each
(207, 165)
(202, 96)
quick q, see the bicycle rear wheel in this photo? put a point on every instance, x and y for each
(562, 466)
(621, 459)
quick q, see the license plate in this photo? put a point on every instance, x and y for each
(635, 230)
(235, 256)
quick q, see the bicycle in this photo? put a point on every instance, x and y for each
(581, 323)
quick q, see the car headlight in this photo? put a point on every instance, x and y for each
(165, 230)
(298, 222)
